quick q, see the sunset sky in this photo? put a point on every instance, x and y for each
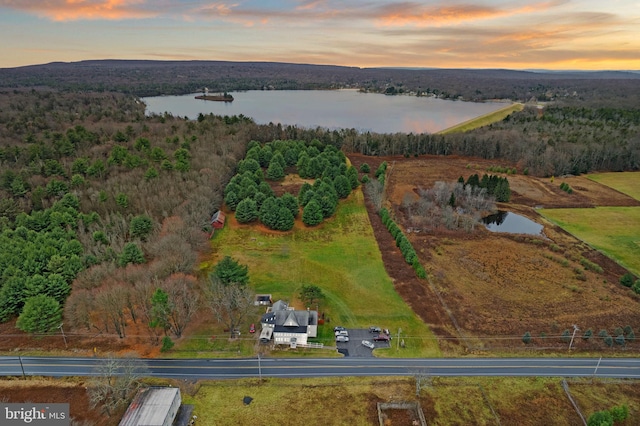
(551, 34)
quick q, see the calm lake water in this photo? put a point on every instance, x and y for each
(331, 109)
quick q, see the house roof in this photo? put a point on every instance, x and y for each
(291, 320)
(150, 406)
(217, 217)
(280, 305)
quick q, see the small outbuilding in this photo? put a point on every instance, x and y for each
(153, 406)
(217, 220)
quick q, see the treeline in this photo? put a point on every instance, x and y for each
(553, 141)
(152, 78)
(544, 142)
(496, 186)
(252, 198)
(403, 243)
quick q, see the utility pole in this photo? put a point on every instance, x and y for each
(63, 336)
(398, 342)
(575, 328)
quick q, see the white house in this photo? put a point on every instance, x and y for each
(290, 326)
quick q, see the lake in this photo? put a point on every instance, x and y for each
(332, 109)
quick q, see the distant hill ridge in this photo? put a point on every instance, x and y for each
(151, 77)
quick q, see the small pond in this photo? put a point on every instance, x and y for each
(512, 223)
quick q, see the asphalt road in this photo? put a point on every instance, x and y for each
(286, 367)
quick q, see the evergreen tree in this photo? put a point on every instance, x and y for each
(160, 310)
(131, 253)
(291, 202)
(249, 165)
(229, 271)
(304, 189)
(247, 210)
(268, 213)
(277, 157)
(328, 205)
(312, 214)
(352, 175)
(40, 314)
(275, 171)
(140, 227)
(284, 219)
(342, 186)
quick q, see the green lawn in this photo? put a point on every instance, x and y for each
(625, 182)
(342, 257)
(613, 230)
(483, 120)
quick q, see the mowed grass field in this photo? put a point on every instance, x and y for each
(625, 182)
(463, 401)
(614, 231)
(483, 120)
(341, 256)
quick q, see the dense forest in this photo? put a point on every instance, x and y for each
(95, 195)
(101, 205)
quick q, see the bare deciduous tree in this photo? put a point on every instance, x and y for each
(115, 382)
(78, 309)
(141, 295)
(374, 190)
(184, 300)
(229, 303)
(112, 302)
(423, 379)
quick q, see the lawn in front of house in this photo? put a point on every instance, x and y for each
(340, 256)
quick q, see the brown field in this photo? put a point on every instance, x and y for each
(485, 290)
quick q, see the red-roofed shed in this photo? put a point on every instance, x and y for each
(217, 220)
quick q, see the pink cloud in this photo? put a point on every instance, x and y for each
(72, 10)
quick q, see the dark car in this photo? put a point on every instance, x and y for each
(382, 338)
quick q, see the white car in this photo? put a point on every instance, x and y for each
(342, 333)
(343, 339)
(368, 344)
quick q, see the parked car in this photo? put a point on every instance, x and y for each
(368, 344)
(382, 338)
(373, 329)
(252, 328)
(342, 339)
(338, 328)
(342, 333)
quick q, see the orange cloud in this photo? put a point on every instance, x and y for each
(407, 13)
(72, 10)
